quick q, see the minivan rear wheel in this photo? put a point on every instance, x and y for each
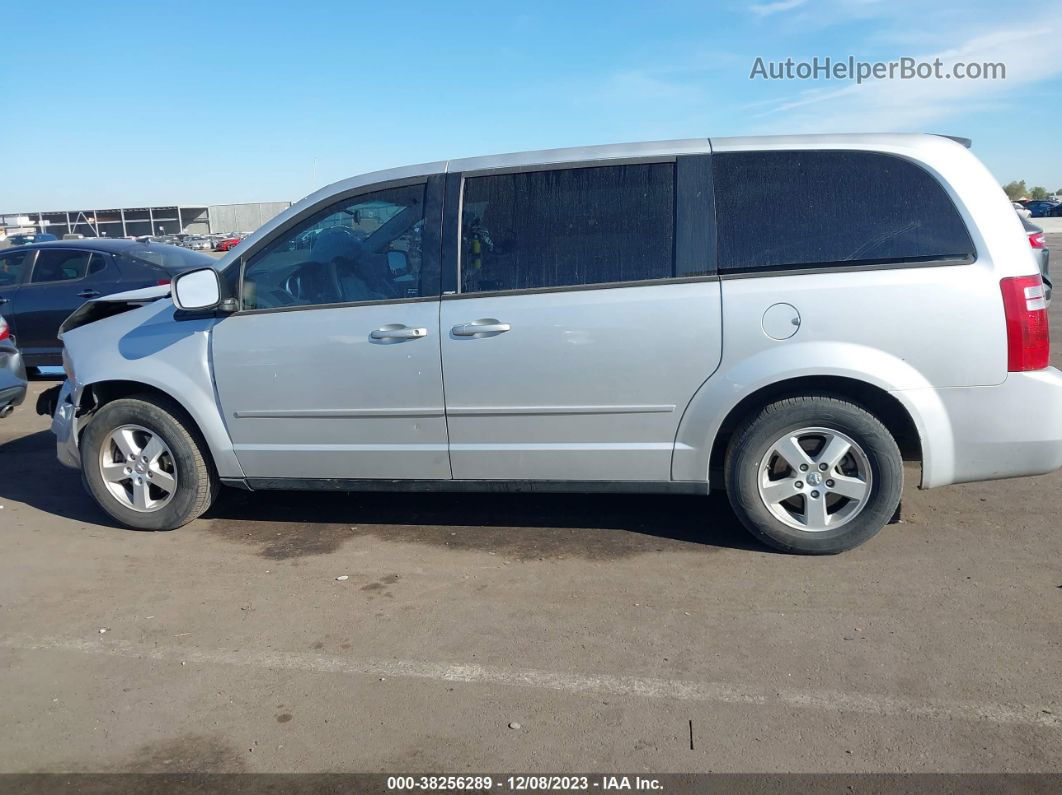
(814, 474)
(146, 464)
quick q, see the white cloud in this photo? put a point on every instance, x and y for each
(766, 9)
(639, 85)
(1028, 51)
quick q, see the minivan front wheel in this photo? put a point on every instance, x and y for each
(146, 465)
(814, 474)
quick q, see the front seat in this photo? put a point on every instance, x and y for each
(338, 247)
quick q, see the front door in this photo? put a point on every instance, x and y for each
(586, 319)
(332, 370)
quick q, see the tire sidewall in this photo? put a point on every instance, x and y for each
(751, 444)
(182, 446)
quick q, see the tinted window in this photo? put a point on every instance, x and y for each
(367, 248)
(60, 265)
(11, 267)
(165, 256)
(568, 227)
(806, 209)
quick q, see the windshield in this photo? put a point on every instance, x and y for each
(172, 258)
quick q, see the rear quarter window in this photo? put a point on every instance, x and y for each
(813, 209)
(11, 267)
(169, 258)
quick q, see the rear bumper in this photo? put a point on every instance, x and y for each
(1009, 430)
(12, 376)
(12, 395)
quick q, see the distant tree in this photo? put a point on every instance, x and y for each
(1038, 192)
(1015, 189)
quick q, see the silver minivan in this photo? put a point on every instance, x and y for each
(788, 318)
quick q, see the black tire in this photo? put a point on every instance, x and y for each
(197, 484)
(755, 437)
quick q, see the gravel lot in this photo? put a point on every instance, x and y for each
(397, 633)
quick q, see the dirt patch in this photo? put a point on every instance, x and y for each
(381, 585)
(190, 753)
(284, 540)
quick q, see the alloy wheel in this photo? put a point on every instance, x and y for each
(138, 468)
(815, 479)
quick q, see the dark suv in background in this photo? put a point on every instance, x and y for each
(1043, 208)
(29, 238)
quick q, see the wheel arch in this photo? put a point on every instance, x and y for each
(97, 394)
(94, 396)
(860, 373)
(879, 402)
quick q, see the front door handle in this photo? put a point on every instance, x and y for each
(89, 294)
(487, 326)
(397, 331)
(3, 300)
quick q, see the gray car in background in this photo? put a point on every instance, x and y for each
(12, 372)
(1043, 254)
(629, 318)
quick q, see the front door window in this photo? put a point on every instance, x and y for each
(367, 248)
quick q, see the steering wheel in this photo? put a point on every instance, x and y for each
(314, 283)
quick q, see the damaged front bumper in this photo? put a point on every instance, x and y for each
(62, 402)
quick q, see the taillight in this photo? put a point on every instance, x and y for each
(1036, 240)
(1028, 340)
(162, 282)
(5, 330)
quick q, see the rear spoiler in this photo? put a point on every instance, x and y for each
(110, 305)
(964, 141)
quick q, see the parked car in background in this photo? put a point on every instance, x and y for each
(1042, 208)
(27, 239)
(1021, 209)
(1039, 246)
(42, 283)
(12, 372)
(196, 243)
(73, 236)
(632, 318)
(227, 243)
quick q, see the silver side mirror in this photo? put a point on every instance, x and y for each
(197, 290)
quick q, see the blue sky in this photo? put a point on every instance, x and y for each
(132, 103)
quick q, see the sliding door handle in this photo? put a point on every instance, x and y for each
(487, 326)
(397, 331)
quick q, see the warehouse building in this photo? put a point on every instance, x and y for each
(242, 217)
(137, 221)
